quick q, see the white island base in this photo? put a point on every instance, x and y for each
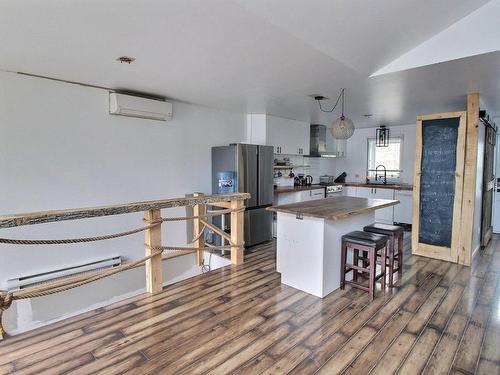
(308, 250)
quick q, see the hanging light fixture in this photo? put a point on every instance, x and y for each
(343, 127)
(382, 136)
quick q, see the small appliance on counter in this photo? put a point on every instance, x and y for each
(341, 178)
(302, 180)
(326, 180)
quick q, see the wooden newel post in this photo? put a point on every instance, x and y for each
(237, 237)
(199, 210)
(152, 239)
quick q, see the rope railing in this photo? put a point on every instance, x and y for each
(153, 248)
(11, 241)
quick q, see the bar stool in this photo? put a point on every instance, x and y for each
(370, 244)
(394, 233)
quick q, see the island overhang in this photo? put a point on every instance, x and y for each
(335, 208)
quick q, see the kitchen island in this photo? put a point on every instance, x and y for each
(309, 239)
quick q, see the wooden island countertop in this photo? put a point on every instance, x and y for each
(335, 208)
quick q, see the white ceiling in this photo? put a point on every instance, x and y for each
(253, 56)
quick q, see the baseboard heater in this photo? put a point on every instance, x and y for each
(45, 277)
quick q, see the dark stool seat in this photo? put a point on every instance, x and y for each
(365, 238)
(386, 229)
(369, 244)
(393, 232)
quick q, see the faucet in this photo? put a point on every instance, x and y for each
(385, 173)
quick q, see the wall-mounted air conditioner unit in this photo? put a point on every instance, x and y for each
(135, 106)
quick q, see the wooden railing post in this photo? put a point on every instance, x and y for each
(199, 210)
(237, 237)
(152, 238)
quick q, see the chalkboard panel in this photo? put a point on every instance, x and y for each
(437, 180)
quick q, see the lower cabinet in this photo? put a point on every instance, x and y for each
(314, 194)
(400, 213)
(403, 212)
(383, 215)
(349, 191)
(299, 196)
(294, 197)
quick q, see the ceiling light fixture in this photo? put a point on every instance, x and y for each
(343, 127)
(382, 136)
(125, 59)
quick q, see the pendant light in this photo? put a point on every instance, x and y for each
(382, 136)
(343, 127)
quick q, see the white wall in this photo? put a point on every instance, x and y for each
(59, 148)
(357, 153)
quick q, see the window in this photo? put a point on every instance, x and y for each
(389, 157)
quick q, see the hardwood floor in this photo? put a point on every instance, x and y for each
(439, 318)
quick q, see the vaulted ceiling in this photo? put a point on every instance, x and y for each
(267, 56)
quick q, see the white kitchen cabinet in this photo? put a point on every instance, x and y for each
(314, 194)
(364, 192)
(341, 148)
(299, 196)
(289, 137)
(349, 191)
(286, 198)
(383, 215)
(294, 197)
(335, 147)
(403, 212)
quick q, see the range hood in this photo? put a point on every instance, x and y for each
(321, 142)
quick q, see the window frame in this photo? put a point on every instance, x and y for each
(401, 145)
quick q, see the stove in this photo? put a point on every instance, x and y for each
(334, 190)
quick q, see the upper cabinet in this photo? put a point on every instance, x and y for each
(340, 147)
(288, 137)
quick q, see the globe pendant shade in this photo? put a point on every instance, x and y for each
(342, 128)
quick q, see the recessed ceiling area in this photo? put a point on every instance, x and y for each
(257, 56)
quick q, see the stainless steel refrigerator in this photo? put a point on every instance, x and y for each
(247, 168)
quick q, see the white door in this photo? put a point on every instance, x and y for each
(496, 193)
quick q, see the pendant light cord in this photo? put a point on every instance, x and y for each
(341, 95)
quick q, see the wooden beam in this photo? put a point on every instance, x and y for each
(199, 210)
(218, 231)
(152, 238)
(8, 221)
(469, 187)
(237, 237)
(222, 204)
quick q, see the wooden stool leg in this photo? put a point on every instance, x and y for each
(373, 270)
(391, 259)
(343, 256)
(384, 266)
(400, 254)
(356, 263)
(365, 263)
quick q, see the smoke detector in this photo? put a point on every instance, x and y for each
(125, 59)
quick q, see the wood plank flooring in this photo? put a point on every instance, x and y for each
(440, 318)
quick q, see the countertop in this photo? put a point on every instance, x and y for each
(335, 208)
(291, 189)
(379, 186)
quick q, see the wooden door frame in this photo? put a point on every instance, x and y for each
(450, 253)
(488, 185)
